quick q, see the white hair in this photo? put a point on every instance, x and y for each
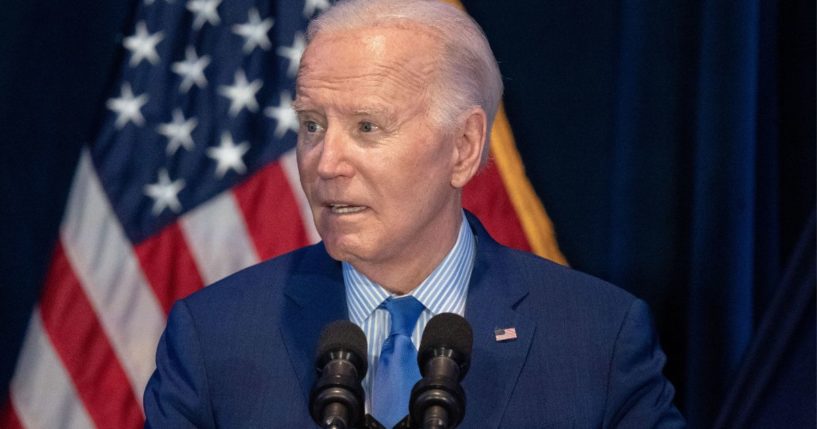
(469, 75)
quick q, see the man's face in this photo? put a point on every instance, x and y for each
(376, 172)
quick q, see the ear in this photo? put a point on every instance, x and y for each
(468, 147)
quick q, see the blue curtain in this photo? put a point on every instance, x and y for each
(56, 60)
(697, 189)
(775, 383)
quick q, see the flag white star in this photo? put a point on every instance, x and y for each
(285, 117)
(254, 31)
(178, 132)
(293, 53)
(165, 193)
(310, 6)
(191, 69)
(205, 11)
(142, 45)
(228, 156)
(127, 107)
(241, 93)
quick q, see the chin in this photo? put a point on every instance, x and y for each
(335, 253)
(339, 250)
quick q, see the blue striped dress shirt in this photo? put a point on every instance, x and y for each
(443, 291)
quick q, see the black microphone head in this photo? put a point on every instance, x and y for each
(449, 332)
(336, 399)
(342, 335)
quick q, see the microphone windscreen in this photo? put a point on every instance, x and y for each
(448, 330)
(345, 335)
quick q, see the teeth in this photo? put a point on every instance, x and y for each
(346, 209)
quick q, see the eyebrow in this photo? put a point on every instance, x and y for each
(298, 106)
(371, 110)
(372, 107)
(361, 110)
(375, 105)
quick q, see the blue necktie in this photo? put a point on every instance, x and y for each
(397, 369)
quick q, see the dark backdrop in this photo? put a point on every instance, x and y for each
(673, 144)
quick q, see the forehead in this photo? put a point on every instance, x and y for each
(381, 66)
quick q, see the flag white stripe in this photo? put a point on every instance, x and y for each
(41, 391)
(289, 163)
(218, 238)
(109, 272)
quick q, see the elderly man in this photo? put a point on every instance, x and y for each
(395, 100)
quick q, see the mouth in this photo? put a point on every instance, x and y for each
(342, 209)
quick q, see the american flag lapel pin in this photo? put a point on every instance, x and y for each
(506, 334)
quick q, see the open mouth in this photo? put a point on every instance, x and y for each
(345, 208)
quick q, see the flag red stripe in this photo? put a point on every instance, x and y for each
(169, 266)
(8, 417)
(271, 212)
(72, 325)
(486, 196)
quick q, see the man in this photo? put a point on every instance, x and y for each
(395, 100)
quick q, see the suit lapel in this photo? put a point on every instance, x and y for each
(316, 296)
(495, 366)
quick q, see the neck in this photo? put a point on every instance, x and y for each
(404, 276)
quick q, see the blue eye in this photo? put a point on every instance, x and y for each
(367, 127)
(311, 127)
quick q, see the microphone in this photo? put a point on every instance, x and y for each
(336, 400)
(438, 400)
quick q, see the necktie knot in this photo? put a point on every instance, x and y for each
(404, 312)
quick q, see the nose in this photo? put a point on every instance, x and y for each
(334, 160)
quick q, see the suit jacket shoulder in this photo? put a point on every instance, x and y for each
(265, 283)
(239, 353)
(585, 352)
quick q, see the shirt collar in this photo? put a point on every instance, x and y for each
(443, 291)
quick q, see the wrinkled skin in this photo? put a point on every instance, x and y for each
(383, 182)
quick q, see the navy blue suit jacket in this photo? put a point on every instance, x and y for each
(240, 353)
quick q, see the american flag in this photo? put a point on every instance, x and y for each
(506, 334)
(191, 177)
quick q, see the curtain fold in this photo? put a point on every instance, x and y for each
(773, 381)
(696, 183)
